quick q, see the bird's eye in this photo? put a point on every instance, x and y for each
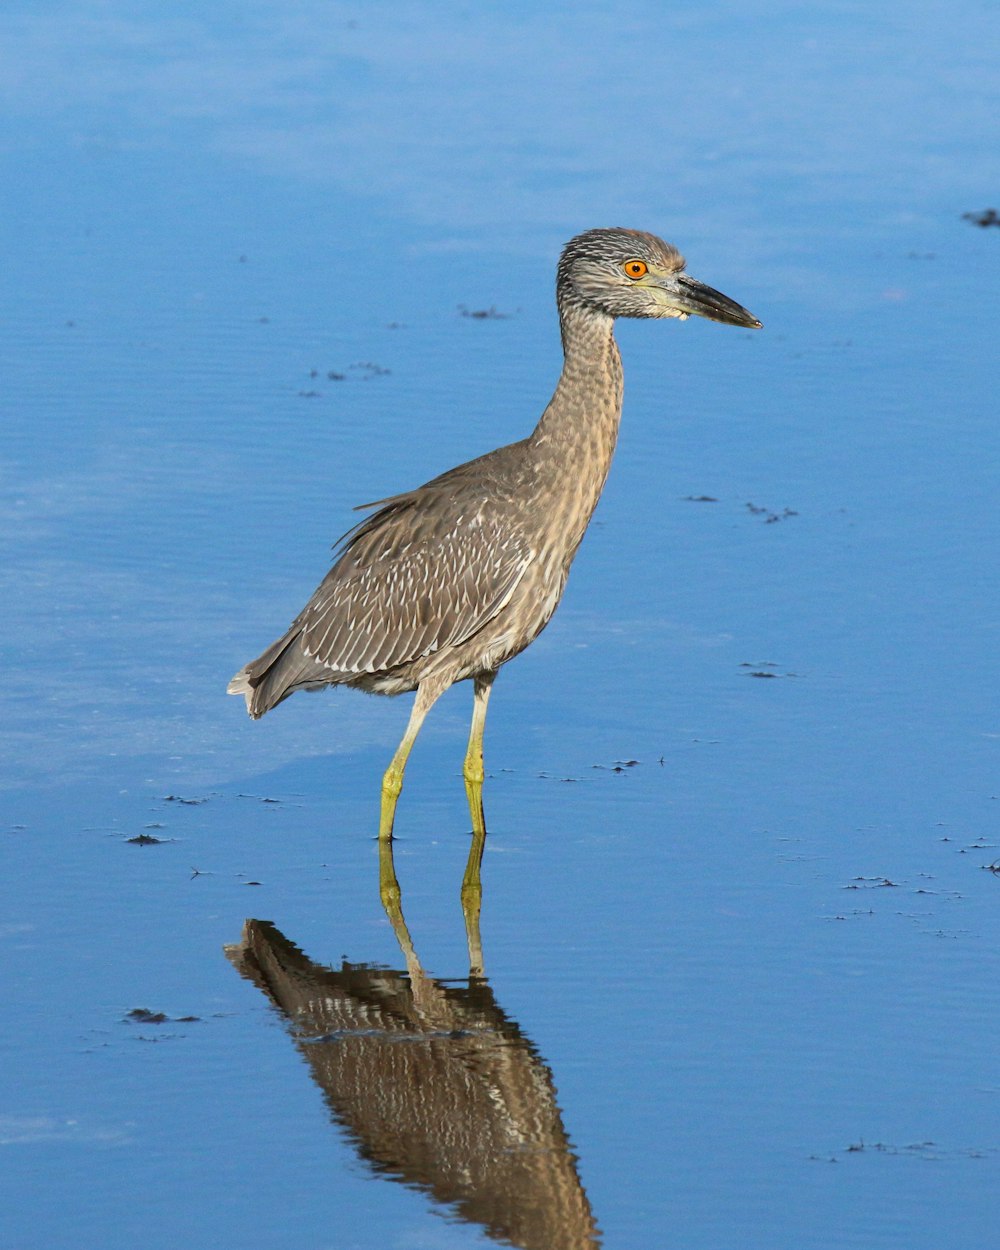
(635, 268)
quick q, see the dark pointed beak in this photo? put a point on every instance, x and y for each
(694, 297)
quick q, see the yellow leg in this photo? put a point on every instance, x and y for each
(472, 770)
(392, 782)
(472, 889)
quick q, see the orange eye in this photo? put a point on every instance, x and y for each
(635, 268)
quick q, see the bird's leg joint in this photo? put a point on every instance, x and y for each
(392, 782)
(473, 770)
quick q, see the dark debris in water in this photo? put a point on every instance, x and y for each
(986, 217)
(143, 1015)
(699, 499)
(147, 839)
(980, 844)
(916, 1150)
(368, 369)
(483, 314)
(764, 668)
(768, 516)
(177, 798)
(871, 883)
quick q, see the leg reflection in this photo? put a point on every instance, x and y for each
(392, 901)
(472, 897)
(473, 771)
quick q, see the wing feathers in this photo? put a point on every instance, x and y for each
(426, 571)
(396, 596)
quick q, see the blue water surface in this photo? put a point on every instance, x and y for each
(740, 924)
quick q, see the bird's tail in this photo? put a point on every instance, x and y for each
(278, 672)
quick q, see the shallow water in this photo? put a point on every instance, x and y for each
(740, 930)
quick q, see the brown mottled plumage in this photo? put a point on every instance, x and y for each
(451, 580)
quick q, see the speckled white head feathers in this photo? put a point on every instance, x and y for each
(630, 273)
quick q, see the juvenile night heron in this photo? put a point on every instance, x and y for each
(450, 581)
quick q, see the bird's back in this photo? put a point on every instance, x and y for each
(424, 584)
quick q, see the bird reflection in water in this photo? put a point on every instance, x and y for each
(434, 1085)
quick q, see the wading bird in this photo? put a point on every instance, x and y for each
(449, 581)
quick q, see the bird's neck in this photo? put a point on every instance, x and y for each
(577, 432)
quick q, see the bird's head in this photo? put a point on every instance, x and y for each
(628, 273)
